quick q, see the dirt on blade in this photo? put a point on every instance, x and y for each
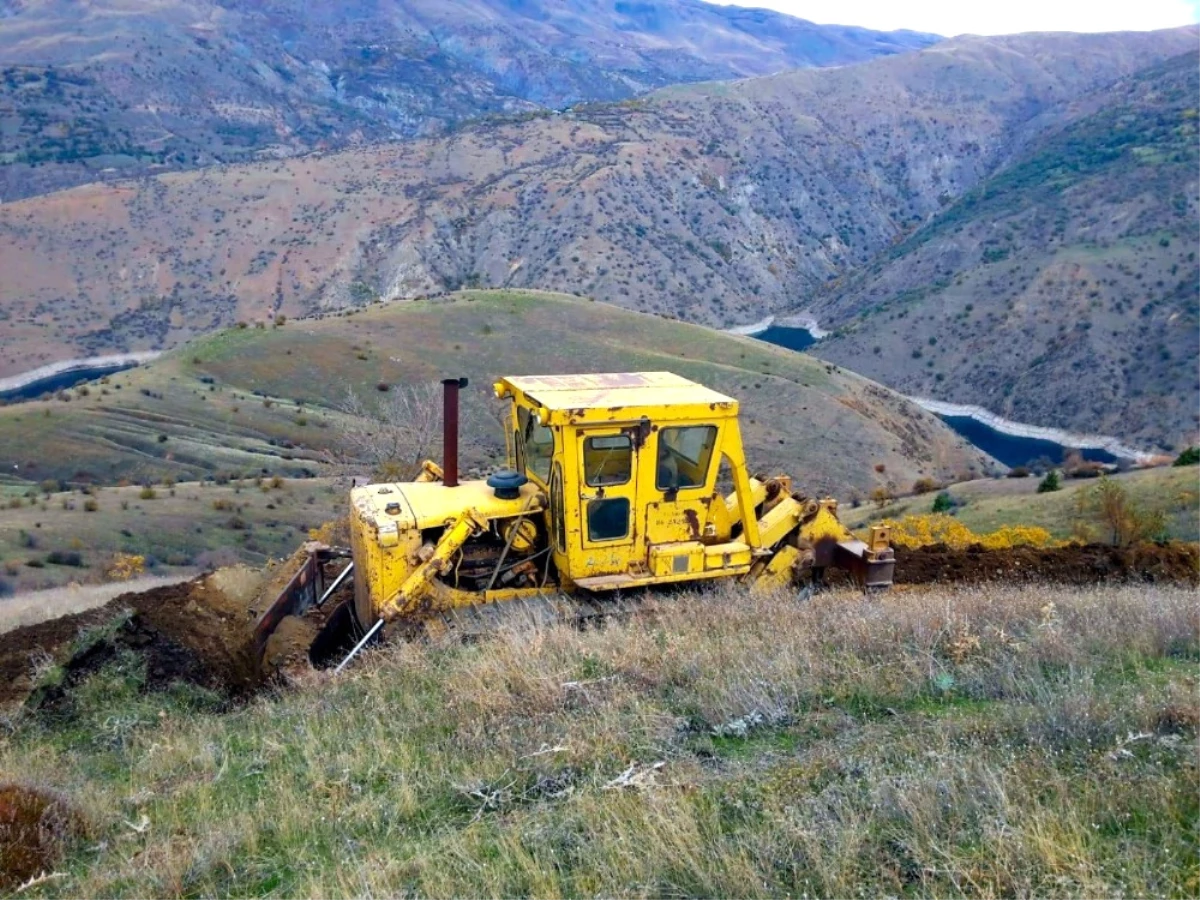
(1172, 563)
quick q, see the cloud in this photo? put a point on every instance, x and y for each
(1008, 17)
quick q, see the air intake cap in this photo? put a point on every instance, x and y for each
(507, 484)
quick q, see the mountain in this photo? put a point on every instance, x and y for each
(1064, 289)
(715, 203)
(268, 400)
(124, 86)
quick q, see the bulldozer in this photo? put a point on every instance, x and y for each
(615, 483)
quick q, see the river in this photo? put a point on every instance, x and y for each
(1011, 449)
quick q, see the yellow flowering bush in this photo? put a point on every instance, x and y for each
(923, 531)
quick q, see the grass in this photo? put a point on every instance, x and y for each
(993, 503)
(998, 741)
(249, 400)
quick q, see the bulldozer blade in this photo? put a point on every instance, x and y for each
(304, 590)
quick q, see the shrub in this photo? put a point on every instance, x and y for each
(1050, 483)
(91, 504)
(124, 566)
(924, 486)
(71, 558)
(35, 563)
(1124, 521)
(147, 493)
(223, 505)
(1189, 457)
(943, 503)
(880, 496)
(1018, 472)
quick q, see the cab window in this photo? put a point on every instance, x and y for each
(684, 455)
(607, 459)
(536, 447)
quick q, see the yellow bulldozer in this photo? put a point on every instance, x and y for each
(615, 483)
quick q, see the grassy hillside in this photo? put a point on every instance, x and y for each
(1062, 291)
(998, 741)
(67, 536)
(715, 203)
(988, 505)
(264, 401)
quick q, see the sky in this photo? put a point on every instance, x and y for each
(951, 17)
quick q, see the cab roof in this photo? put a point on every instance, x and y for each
(630, 393)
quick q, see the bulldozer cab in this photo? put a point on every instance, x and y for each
(630, 464)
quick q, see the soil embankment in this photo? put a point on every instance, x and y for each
(1172, 563)
(198, 631)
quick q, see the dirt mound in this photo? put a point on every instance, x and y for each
(34, 826)
(1173, 563)
(193, 632)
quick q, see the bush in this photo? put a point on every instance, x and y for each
(924, 486)
(70, 558)
(880, 496)
(91, 504)
(1189, 457)
(147, 493)
(1050, 483)
(1018, 472)
(943, 503)
(1124, 521)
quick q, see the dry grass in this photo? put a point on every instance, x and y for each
(39, 606)
(983, 742)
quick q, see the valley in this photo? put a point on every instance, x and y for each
(714, 203)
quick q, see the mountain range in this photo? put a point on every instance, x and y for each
(118, 87)
(954, 193)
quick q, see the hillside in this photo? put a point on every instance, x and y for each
(268, 400)
(94, 89)
(715, 203)
(1065, 289)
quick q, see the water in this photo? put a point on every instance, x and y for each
(792, 338)
(1010, 449)
(1016, 451)
(51, 384)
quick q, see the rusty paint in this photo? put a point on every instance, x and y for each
(693, 522)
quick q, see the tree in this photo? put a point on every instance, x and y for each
(394, 434)
(943, 503)
(1123, 520)
(1189, 457)
(1050, 483)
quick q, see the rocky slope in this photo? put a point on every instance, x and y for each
(130, 86)
(716, 203)
(1065, 289)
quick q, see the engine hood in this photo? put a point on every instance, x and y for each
(421, 505)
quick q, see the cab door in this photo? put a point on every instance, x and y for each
(608, 478)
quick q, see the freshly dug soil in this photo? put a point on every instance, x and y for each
(192, 632)
(1173, 563)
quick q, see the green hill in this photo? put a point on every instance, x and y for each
(266, 400)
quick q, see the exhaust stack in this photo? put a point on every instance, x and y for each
(450, 388)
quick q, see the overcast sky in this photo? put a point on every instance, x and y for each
(951, 17)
